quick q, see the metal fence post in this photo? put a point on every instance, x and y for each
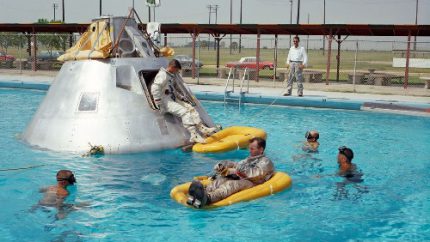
(193, 63)
(330, 39)
(257, 78)
(355, 66)
(20, 53)
(408, 52)
(198, 73)
(33, 51)
(276, 59)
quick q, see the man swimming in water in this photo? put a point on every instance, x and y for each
(348, 169)
(353, 176)
(311, 144)
(54, 195)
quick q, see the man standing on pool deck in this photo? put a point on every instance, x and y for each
(234, 177)
(297, 60)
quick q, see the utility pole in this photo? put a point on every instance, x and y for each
(55, 6)
(62, 6)
(324, 35)
(298, 11)
(231, 21)
(209, 35)
(291, 15)
(149, 14)
(212, 9)
(307, 39)
(240, 36)
(100, 7)
(216, 14)
(416, 22)
(216, 19)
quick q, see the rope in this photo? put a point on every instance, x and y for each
(21, 168)
(268, 106)
(262, 111)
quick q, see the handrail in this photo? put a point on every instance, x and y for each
(243, 79)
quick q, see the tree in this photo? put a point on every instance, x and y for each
(234, 45)
(7, 40)
(52, 41)
(42, 21)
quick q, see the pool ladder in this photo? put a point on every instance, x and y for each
(229, 85)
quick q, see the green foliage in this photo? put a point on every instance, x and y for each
(42, 21)
(10, 40)
(52, 41)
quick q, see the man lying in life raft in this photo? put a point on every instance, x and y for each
(233, 177)
(170, 100)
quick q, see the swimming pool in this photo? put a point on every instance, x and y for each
(128, 195)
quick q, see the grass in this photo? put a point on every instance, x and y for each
(381, 61)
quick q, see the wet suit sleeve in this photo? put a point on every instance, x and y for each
(262, 169)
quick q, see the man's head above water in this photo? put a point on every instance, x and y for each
(257, 146)
(65, 178)
(312, 136)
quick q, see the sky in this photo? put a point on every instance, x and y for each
(254, 11)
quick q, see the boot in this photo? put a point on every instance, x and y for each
(206, 130)
(198, 194)
(194, 136)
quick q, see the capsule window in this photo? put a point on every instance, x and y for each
(88, 102)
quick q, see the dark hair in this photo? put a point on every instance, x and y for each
(66, 175)
(175, 63)
(347, 152)
(260, 142)
(317, 136)
(296, 37)
(308, 135)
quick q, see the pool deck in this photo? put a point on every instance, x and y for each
(410, 101)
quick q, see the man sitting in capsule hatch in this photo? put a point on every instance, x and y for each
(167, 100)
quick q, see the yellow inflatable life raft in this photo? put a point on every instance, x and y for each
(231, 138)
(95, 43)
(277, 183)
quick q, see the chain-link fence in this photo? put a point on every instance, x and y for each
(17, 53)
(364, 61)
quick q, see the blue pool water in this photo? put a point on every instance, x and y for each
(126, 197)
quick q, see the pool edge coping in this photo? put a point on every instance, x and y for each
(416, 109)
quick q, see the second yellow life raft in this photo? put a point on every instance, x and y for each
(277, 183)
(231, 138)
